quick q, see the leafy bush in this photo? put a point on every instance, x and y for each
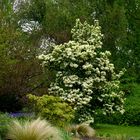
(4, 121)
(84, 76)
(33, 130)
(52, 108)
(131, 115)
(132, 106)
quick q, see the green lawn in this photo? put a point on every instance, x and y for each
(111, 130)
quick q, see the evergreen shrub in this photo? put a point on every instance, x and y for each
(54, 109)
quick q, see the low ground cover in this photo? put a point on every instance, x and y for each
(103, 131)
(108, 130)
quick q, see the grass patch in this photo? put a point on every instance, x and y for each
(114, 130)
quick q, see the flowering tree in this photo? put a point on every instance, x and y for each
(84, 76)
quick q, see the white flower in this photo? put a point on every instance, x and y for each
(83, 73)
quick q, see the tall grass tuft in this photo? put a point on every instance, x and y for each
(81, 130)
(33, 130)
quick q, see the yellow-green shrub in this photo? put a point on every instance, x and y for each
(52, 108)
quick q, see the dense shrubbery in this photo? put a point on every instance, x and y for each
(52, 108)
(131, 115)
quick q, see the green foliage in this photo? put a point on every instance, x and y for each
(56, 18)
(32, 130)
(132, 110)
(133, 37)
(84, 76)
(52, 108)
(4, 122)
(16, 74)
(130, 117)
(113, 21)
(6, 9)
(19, 68)
(132, 105)
(120, 22)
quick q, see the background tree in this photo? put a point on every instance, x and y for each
(19, 69)
(113, 21)
(133, 37)
(56, 18)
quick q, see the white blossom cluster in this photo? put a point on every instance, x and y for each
(84, 73)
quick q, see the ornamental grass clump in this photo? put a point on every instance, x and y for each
(32, 130)
(81, 130)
